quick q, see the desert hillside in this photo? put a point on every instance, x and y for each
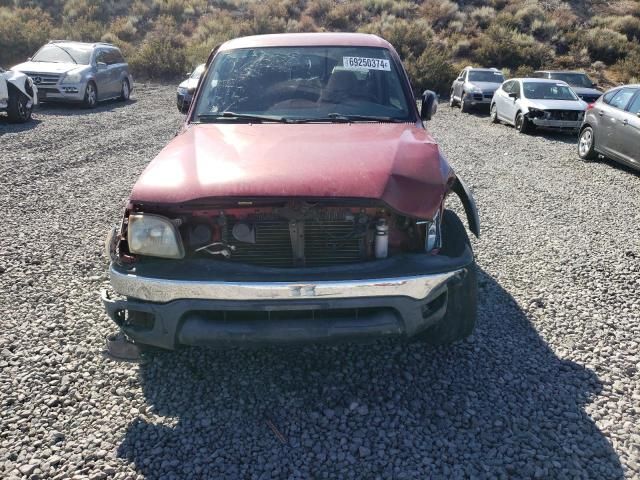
(165, 38)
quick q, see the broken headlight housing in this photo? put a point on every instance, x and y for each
(154, 235)
(433, 234)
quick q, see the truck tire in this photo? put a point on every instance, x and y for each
(18, 108)
(462, 298)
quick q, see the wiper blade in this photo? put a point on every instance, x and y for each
(363, 118)
(212, 117)
(65, 51)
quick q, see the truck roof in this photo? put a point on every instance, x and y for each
(307, 40)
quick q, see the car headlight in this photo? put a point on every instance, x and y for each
(154, 235)
(536, 113)
(475, 89)
(182, 91)
(72, 77)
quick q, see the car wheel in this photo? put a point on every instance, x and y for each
(462, 298)
(19, 106)
(586, 145)
(464, 106)
(494, 113)
(125, 91)
(522, 123)
(90, 95)
(452, 101)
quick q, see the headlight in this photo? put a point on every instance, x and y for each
(72, 77)
(475, 89)
(537, 113)
(155, 236)
(433, 238)
(182, 91)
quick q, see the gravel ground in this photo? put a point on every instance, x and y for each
(547, 387)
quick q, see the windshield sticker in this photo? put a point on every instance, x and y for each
(362, 63)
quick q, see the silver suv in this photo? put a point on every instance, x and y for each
(66, 71)
(475, 86)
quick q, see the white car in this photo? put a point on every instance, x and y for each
(527, 103)
(18, 95)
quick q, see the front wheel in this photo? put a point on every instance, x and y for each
(19, 107)
(494, 113)
(90, 95)
(462, 297)
(452, 101)
(523, 125)
(125, 91)
(464, 106)
(586, 145)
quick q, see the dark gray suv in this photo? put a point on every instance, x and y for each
(584, 87)
(611, 127)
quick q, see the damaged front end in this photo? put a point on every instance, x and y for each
(278, 234)
(18, 95)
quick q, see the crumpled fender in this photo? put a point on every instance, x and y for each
(468, 202)
(20, 81)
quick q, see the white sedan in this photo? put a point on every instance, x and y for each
(527, 103)
(18, 95)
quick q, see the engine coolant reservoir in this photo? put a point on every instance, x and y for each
(382, 238)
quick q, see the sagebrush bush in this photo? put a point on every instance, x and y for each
(604, 44)
(432, 70)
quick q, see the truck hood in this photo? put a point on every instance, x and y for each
(46, 67)
(486, 86)
(586, 91)
(399, 164)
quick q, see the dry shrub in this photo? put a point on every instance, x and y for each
(604, 44)
(22, 32)
(508, 48)
(162, 54)
(439, 12)
(431, 70)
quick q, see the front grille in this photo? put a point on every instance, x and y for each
(330, 241)
(566, 115)
(477, 96)
(44, 79)
(488, 95)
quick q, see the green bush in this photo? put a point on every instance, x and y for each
(604, 44)
(162, 54)
(22, 32)
(502, 47)
(432, 70)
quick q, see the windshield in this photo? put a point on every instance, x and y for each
(63, 54)
(548, 91)
(197, 73)
(484, 76)
(304, 84)
(575, 79)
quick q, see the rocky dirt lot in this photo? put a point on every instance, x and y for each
(547, 387)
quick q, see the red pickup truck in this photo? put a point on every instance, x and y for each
(303, 200)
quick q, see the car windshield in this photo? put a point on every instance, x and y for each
(303, 84)
(575, 79)
(548, 91)
(63, 54)
(485, 76)
(197, 73)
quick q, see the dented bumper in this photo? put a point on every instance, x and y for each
(394, 297)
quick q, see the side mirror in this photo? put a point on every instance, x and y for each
(101, 65)
(429, 105)
(513, 95)
(188, 74)
(460, 79)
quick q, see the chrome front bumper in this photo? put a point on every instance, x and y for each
(169, 313)
(163, 291)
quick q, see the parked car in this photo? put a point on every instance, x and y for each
(303, 200)
(527, 103)
(18, 95)
(584, 87)
(475, 87)
(611, 127)
(66, 71)
(187, 88)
